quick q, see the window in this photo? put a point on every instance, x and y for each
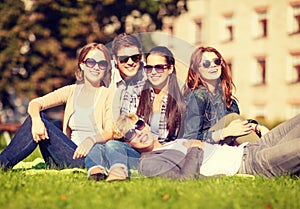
(229, 63)
(258, 73)
(227, 28)
(294, 17)
(260, 23)
(293, 68)
(199, 33)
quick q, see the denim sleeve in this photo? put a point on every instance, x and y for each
(235, 107)
(194, 117)
(206, 135)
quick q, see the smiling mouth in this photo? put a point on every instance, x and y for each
(213, 71)
(155, 77)
(131, 68)
(95, 72)
(144, 139)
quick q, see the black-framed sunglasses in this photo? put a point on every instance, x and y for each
(90, 62)
(158, 68)
(134, 58)
(131, 133)
(207, 63)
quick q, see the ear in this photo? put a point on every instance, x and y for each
(81, 66)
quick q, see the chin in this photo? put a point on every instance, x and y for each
(146, 149)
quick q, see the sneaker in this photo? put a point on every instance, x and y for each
(116, 174)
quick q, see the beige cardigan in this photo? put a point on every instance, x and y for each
(102, 116)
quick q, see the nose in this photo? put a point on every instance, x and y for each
(153, 71)
(130, 61)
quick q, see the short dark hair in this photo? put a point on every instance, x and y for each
(125, 40)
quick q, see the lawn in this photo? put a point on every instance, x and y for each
(42, 189)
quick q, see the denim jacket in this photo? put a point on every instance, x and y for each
(203, 111)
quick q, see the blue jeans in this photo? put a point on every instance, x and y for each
(276, 153)
(112, 153)
(57, 151)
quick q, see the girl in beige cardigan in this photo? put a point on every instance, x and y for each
(87, 116)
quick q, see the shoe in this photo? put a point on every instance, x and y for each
(98, 176)
(116, 174)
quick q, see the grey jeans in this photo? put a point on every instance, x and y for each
(276, 153)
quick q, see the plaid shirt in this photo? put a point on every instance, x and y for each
(131, 102)
(120, 87)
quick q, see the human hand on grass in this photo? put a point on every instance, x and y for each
(38, 129)
(83, 148)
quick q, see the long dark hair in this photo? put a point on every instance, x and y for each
(194, 80)
(175, 101)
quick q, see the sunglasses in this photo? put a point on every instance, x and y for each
(134, 58)
(207, 63)
(131, 133)
(90, 62)
(158, 68)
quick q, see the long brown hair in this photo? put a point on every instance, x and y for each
(84, 51)
(175, 101)
(194, 80)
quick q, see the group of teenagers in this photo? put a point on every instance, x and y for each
(127, 112)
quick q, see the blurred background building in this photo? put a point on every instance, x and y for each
(260, 39)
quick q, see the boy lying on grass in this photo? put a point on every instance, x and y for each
(276, 153)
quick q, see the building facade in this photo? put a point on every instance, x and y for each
(260, 39)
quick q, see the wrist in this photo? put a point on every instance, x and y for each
(257, 130)
(93, 139)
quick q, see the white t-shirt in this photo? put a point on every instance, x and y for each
(221, 159)
(80, 121)
(217, 159)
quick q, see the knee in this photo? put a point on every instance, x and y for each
(113, 144)
(234, 116)
(97, 148)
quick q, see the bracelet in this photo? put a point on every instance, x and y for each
(257, 131)
(256, 127)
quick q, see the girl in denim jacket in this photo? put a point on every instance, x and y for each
(208, 92)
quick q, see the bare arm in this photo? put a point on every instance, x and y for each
(38, 129)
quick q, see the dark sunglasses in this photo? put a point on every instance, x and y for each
(207, 63)
(131, 133)
(90, 62)
(158, 68)
(134, 58)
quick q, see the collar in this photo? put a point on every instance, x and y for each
(117, 80)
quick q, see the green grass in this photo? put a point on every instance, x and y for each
(73, 190)
(58, 189)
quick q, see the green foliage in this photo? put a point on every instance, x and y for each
(39, 44)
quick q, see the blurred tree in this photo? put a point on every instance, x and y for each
(39, 39)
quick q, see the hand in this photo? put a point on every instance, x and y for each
(38, 130)
(83, 148)
(193, 143)
(237, 128)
